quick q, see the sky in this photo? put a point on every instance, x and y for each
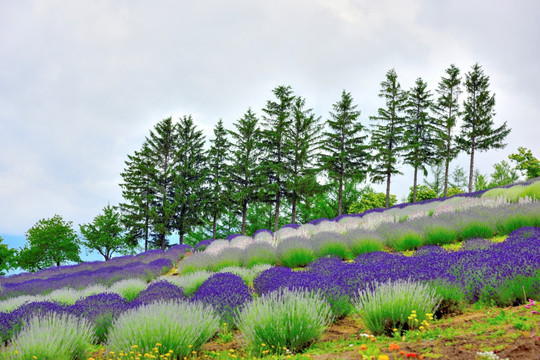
(83, 82)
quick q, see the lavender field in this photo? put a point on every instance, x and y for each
(395, 273)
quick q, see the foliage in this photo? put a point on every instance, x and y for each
(371, 200)
(345, 155)
(502, 175)
(388, 135)
(423, 192)
(66, 338)
(284, 320)
(295, 252)
(7, 257)
(526, 162)
(384, 307)
(437, 184)
(105, 234)
(459, 179)
(178, 326)
(49, 242)
(480, 181)
(128, 288)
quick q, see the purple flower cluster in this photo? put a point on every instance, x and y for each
(472, 270)
(203, 244)
(160, 290)
(225, 292)
(263, 230)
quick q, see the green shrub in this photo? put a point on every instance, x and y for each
(227, 258)
(53, 336)
(440, 235)
(361, 241)
(452, 298)
(330, 243)
(408, 240)
(258, 254)
(385, 306)
(295, 252)
(515, 193)
(423, 192)
(128, 288)
(66, 296)
(284, 319)
(179, 326)
(514, 291)
(190, 282)
(475, 229)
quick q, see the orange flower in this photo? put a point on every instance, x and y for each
(402, 353)
(363, 347)
(373, 339)
(393, 347)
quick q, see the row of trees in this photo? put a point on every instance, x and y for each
(288, 156)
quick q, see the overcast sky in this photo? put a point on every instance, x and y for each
(83, 82)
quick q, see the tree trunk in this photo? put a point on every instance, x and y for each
(214, 226)
(340, 195)
(447, 169)
(414, 184)
(471, 168)
(181, 235)
(146, 225)
(162, 238)
(276, 225)
(293, 217)
(388, 174)
(244, 217)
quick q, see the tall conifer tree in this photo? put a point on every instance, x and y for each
(246, 157)
(447, 109)
(303, 139)
(218, 175)
(420, 131)
(345, 156)
(477, 130)
(388, 134)
(191, 176)
(277, 122)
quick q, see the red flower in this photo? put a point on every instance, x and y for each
(411, 355)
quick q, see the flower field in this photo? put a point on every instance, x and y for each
(453, 278)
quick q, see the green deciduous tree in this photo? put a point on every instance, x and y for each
(49, 242)
(502, 174)
(245, 161)
(105, 234)
(372, 200)
(277, 122)
(420, 132)
(526, 163)
(480, 181)
(7, 257)
(190, 177)
(219, 188)
(447, 109)
(388, 135)
(423, 192)
(477, 130)
(345, 155)
(303, 140)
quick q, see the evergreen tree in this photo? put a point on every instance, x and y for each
(438, 179)
(220, 197)
(447, 109)
(388, 136)
(419, 132)
(477, 131)
(162, 144)
(345, 156)
(303, 138)
(458, 179)
(138, 195)
(277, 122)
(246, 157)
(191, 177)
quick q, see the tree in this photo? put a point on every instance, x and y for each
(49, 242)
(438, 179)
(388, 136)
(477, 131)
(219, 194)
(503, 174)
(274, 165)
(459, 179)
(246, 157)
(447, 109)
(420, 131)
(303, 140)
(480, 181)
(138, 194)
(526, 163)
(190, 177)
(423, 192)
(372, 200)
(7, 258)
(345, 156)
(105, 234)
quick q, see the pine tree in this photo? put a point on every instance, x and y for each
(345, 156)
(447, 109)
(190, 193)
(477, 132)
(303, 138)
(420, 131)
(138, 196)
(438, 179)
(246, 157)
(388, 136)
(162, 143)
(277, 122)
(220, 197)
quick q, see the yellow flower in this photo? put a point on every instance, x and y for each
(134, 347)
(384, 357)
(34, 357)
(158, 344)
